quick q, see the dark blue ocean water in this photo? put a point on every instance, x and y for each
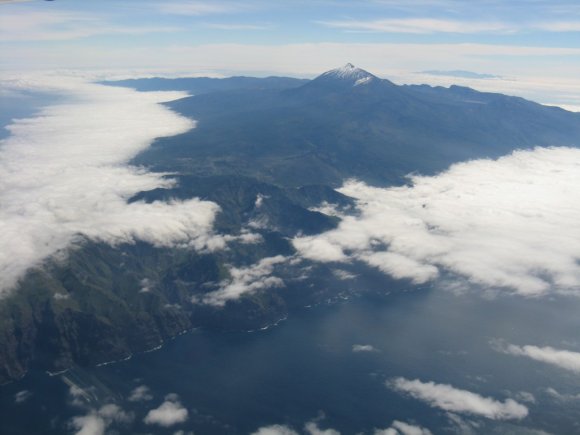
(305, 368)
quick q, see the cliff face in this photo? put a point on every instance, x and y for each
(103, 303)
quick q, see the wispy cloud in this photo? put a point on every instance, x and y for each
(558, 26)
(237, 26)
(564, 359)
(552, 392)
(65, 25)
(452, 399)
(49, 199)
(419, 26)
(275, 429)
(402, 428)
(195, 8)
(22, 396)
(511, 223)
(363, 348)
(310, 428)
(425, 25)
(343, 274)
(245, 280)
(140, 394)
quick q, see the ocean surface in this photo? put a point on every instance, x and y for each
(305, 369)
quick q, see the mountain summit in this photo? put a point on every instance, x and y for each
(347, 75)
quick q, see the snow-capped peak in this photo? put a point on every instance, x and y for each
(350, 73)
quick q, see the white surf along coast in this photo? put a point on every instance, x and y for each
(65, 177)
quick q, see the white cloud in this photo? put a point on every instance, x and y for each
(525, 396)
(245, 280)
(140, 394)
(558, 26)
(402, 428)
(328, 209)
(79, 397)
(312, 429)
(64, 178)
(113, 413)
(401, 266)
(275, 429)
(568, 107)
(22, 396)
(451, 399)
(363, 348)
(343, 274)
(562, 397)
(97, 422)
(510, 223)
(564, 359)
(61, 296)
(90, 424)
(169, 413)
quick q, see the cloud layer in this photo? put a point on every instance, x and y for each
(510, 223)
(64, 177)
(448, 398)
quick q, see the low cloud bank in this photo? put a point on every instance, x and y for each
(64, 177)
(452, 399)
(511, 223)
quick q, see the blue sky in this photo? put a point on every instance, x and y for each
(524, 40)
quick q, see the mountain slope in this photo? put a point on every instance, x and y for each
(336, 127)
(203, 85)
